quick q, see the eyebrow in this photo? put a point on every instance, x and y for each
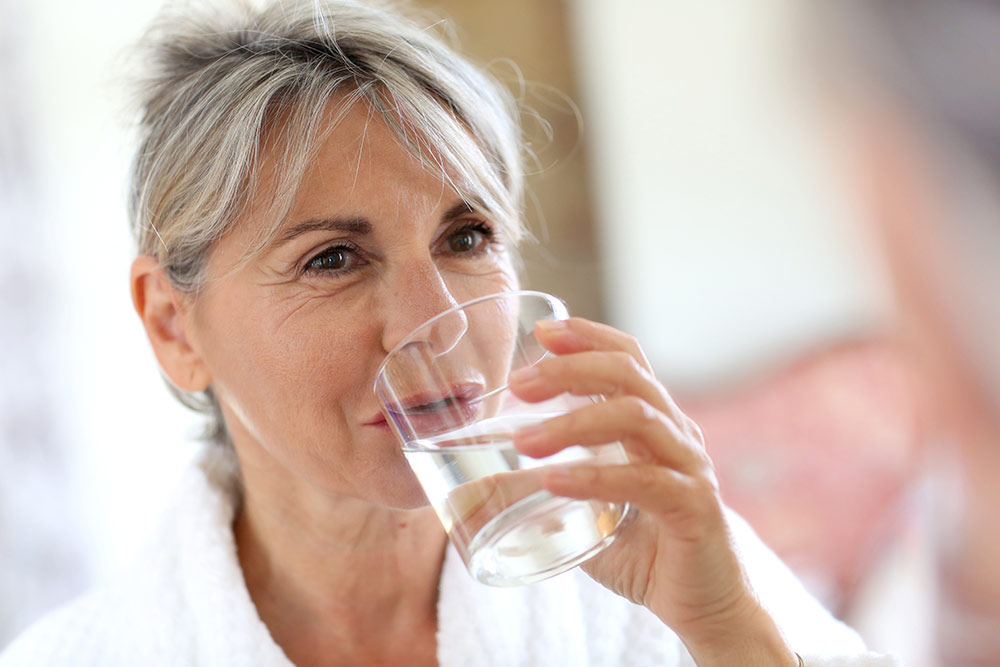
(457, 211)
(353, 225)
(357, 225)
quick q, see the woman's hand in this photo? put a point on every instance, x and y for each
(677, 557)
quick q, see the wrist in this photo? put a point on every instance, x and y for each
(752, 641)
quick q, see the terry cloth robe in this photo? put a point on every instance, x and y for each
(186, 603)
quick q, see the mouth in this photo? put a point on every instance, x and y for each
(433, 411)
(435, 401)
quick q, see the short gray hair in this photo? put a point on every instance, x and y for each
(219, 79)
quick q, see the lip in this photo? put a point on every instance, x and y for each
(430, 401)
(433, 411)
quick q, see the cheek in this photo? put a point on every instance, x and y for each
(492, 335)
(289, 376)
(499, 278)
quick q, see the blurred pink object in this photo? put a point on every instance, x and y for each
(817, 456)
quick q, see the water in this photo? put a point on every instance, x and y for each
(490, 498)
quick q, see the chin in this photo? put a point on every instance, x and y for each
(397, 487)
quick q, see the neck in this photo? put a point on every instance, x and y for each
(337, 574)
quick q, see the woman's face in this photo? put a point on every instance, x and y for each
(375, 244)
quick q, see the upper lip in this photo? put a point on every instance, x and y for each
(433, 400)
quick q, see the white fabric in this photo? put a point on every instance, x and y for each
(187, 604)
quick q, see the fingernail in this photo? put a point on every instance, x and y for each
(525, 375)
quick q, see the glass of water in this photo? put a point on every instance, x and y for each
(444, 392)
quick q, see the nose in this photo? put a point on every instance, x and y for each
(418, 293)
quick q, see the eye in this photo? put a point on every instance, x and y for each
(470, 239)
(339, 259)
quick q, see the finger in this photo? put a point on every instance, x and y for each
(577, 334)
(653, 489)
(580, 335)
(647, 434)
(608, 374)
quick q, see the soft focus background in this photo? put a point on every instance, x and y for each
(687, 189)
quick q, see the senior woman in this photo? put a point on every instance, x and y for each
(315, 180)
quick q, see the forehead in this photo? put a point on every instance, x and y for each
(359, 166)
(355, 167)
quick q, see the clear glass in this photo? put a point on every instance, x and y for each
(444, 391)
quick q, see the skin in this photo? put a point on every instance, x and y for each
(677, 558)
(340, 553)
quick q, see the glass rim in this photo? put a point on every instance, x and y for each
(450, 311)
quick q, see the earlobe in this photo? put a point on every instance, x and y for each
(161, 308)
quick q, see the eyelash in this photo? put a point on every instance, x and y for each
(489, 238)
(348, 248)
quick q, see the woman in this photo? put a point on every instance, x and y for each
(315, 180)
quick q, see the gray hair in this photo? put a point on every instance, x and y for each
(220, 79)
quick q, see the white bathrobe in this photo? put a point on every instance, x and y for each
(185, 603)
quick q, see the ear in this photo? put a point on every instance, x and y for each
(164, 315)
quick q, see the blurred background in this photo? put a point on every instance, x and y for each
(693, 182)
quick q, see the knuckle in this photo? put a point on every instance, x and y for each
(647, 476)
(621, 358)
(577, 387)
(615, 370)
(711, 481)
(578, 326)
(626, 364)
(639, 455)
(550, 367)
(566, 423)
(641, 412)
(706, 487)
(635, 347)
(590, 475)
(618, 372)
(693, 431)
(698, 436)
(701, 507)
(705, 466)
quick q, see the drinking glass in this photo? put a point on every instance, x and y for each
(444, 392)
